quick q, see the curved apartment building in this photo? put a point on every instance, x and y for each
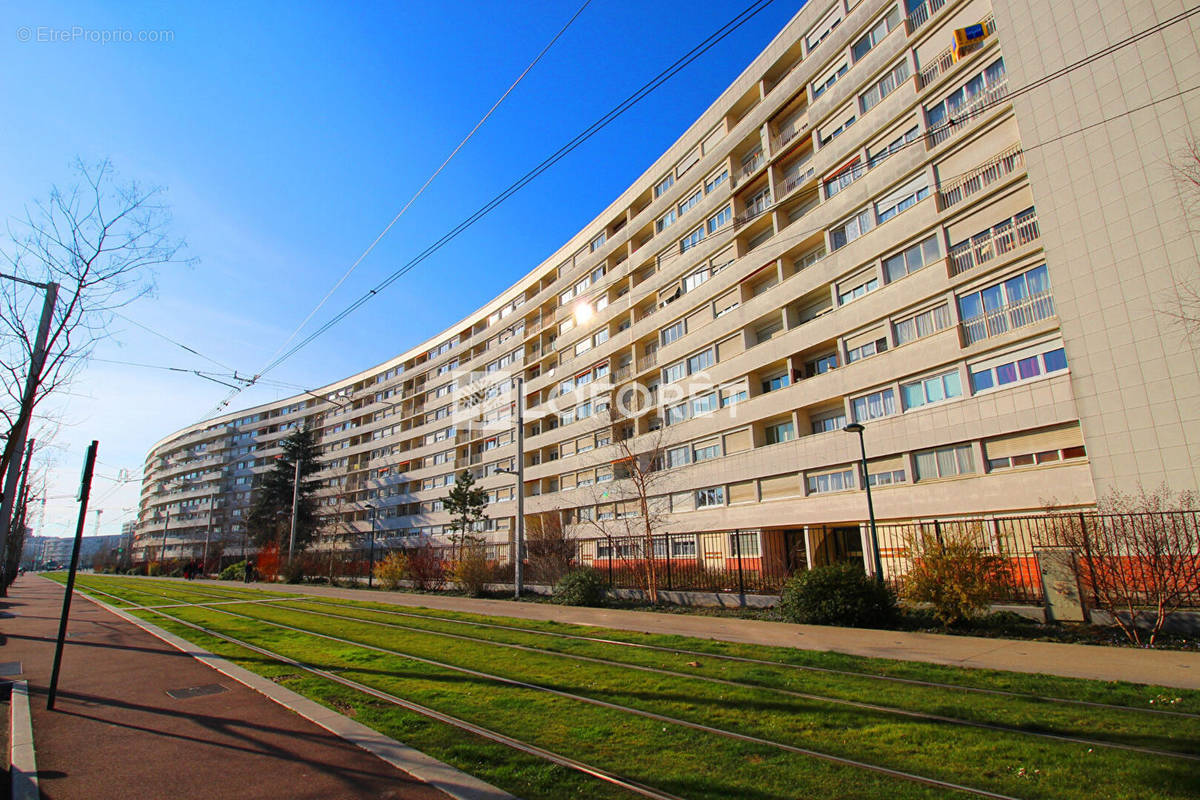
(871, 225)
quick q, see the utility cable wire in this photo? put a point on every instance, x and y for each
(708, 43)
(181, 345)
(430, 180)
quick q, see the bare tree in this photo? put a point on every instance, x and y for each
(639, 497)
(100, 241)
(1139, 556)
(549, 550)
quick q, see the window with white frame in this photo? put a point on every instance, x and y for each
(706, 452)
(875, 35)
(709, 498)
(720, 219)
(665, 221)
(876, 156)
(903, 198)
(829, 421)
(675, 372)
(934, 389)
(866, 350)
(851, 229)
(825, 482)
(911, 259)
(855, 288)
(690, 202)
(716, 179)
(672, 332)
(874, 406)
(779, 380)
(1023, 365)
(824, 84)
(822, 29)
(695, 279)
(779, 432)
(893, 78)
(692, 239)
(598, 242)
(945, 462)
(921, 325)
(663, 185)
(704, 404)
(677, 457)
(701, 361)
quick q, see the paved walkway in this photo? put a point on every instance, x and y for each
(1173, 668)
(116, 732)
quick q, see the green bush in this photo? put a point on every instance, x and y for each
(472, 572)
(841, 594)
(293, 571)
(391, 570)
(581, 587)
(234, 572)
(954, 574)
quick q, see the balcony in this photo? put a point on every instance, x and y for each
(963, 115)
(1002, 238)
(948, 57)
(752, 164)
(921, 14)
(755, 209)
(1008, 317)
(981, 177)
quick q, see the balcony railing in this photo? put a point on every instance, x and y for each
(947, 58)
(981, 177)
(921, 14)
(757, 207)
(802, 176)
(963, 116)
(789, 133)
(751, 166)
(1001, 238)
(647, 361)
(1008, 317)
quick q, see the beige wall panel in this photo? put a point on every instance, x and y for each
(779, 486)
(743, 492)
(737, 442)
(1034, 441)
(991, 143)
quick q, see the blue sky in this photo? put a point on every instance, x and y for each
(288, 135)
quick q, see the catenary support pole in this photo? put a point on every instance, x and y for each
(85, 490)
(18, 436)
(518, 559)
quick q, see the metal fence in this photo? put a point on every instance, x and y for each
(1149, 553)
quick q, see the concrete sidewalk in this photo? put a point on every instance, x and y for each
(1172, 668)
(117, 733)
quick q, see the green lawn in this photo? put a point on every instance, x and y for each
(628, 709)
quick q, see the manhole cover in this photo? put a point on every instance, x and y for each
(10, 668)
(196, 691)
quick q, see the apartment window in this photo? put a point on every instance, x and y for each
(945, 462)
(775, 382)
(874, 36)
(724, 306)
(874, 406)
(701, 361)
(843, 178)
(675, 372)
(663, 185)
(665, 221)
(767, 332)
(851, 229)
(821, 87)
(677, 457)
(1015, 369)
(695, 279)
(706, 452)
(744, 544)
(715, 180)
(831, 482)
(902, 199)
(857, 289)
(780, 432)
(866, 350)
(1021, 300)
(913, 258)
(829, 136)
(886, 477)
(1043, 457)
(691, 240)
(672, 332)
(704, 404)
(931, 390)
(721, 218)
(731, 397)
(691, 202)
(833, 421)
(683, 547)
(894, 77)
(922, 325)
(598, 242)
(823, 28)
(582, 346)
(708, 498)
(819, 366)
(874, 158)
(957, 103)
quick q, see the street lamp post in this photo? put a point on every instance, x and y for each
(371, 571)
(855, 427)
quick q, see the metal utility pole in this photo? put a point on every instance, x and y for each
(85, 490)
(96, 530)
(855, 427)
(371, 568)
(17, 441)
(22, 508)
(295, 508)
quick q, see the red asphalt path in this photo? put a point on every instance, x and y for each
(116, 733)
